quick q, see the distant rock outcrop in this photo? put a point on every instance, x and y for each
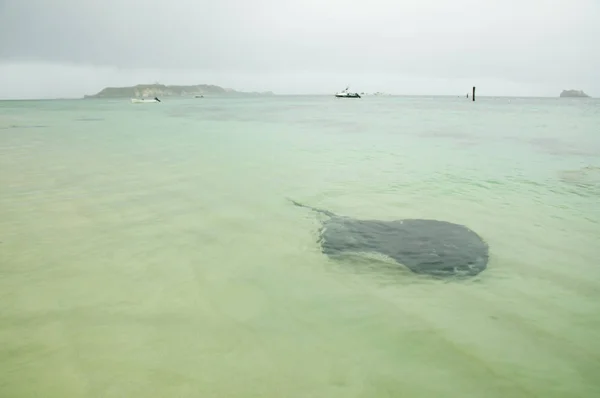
(573, 94)
(161, 90)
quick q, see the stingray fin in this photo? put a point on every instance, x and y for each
(326, 212)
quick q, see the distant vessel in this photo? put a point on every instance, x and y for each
(345, 94)
(144, 100)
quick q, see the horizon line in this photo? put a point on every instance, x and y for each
(259, 94)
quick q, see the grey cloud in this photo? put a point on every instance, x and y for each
(536, 41)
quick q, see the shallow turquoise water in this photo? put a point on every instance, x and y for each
(149, 250)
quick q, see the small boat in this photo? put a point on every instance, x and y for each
(346, 94)
(144, 100)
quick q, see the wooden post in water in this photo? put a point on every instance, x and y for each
(473, 93)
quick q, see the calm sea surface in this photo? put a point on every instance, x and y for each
(149, 250)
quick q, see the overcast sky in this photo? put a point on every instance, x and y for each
(68, 48)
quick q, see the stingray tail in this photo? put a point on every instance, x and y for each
(326, 212)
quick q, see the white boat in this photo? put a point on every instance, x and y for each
(144, 100)
(346, 94)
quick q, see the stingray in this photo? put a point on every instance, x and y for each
(431, 247)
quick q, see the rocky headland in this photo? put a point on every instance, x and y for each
(573, 94)
(161, 90)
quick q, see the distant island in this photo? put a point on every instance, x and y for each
(161, 90)
(573, 94)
